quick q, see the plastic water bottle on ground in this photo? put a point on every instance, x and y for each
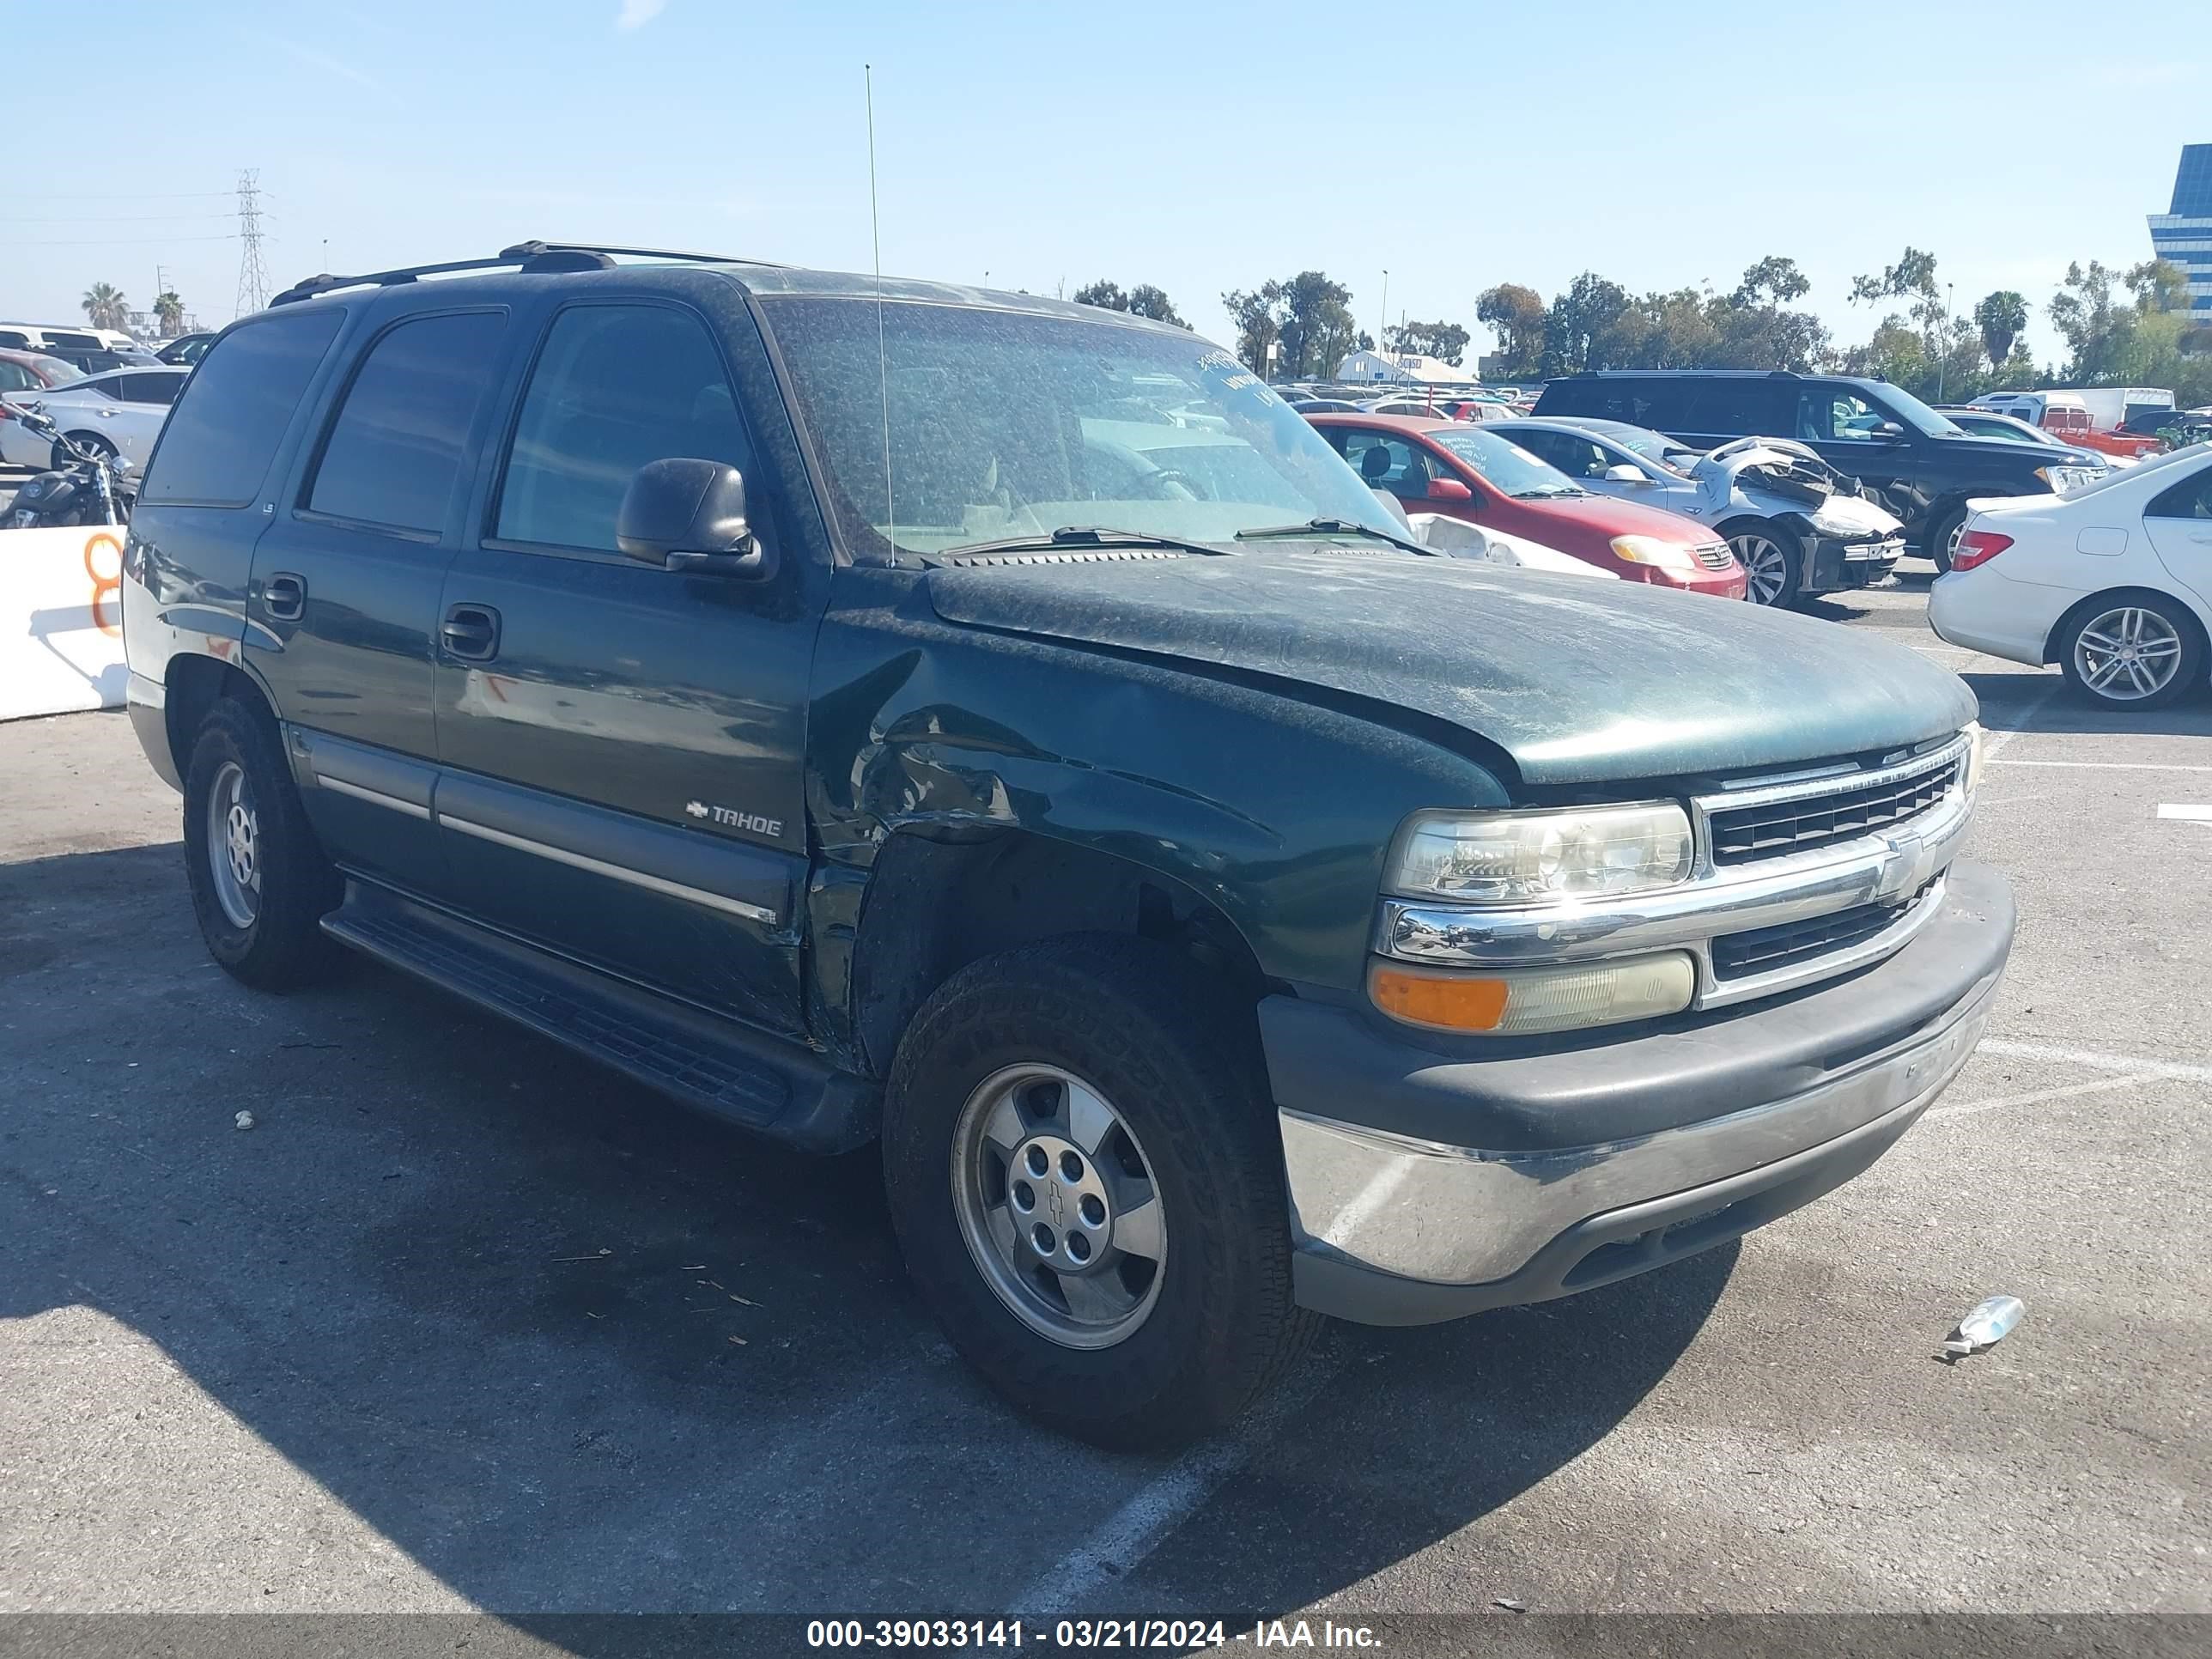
(1985, 1325)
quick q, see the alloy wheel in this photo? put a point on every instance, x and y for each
(2127, 654)
(1764, 563)
(1058, 1205)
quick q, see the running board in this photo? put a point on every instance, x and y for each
(770, 1084)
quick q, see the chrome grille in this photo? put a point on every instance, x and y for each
(1714, 556)
(1762, 950)
(1772, 828)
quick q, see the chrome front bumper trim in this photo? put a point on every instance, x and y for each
(1460, 1216)
(1884, 867)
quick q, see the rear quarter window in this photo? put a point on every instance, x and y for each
(218, 441)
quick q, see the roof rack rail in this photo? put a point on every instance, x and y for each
(534, 248)
(545, 258)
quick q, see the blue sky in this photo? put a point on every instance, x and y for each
(1201, 147)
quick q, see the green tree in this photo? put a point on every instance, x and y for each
(2002, 317)
(1445, 340)
(1253, 315)
(1516, 315)
(1309, 314)
(1317, 327)
(1145, 300)
(1773, 281)
(2087, 319)
(1142, 300)
(2159, 285)
(169, 312)
(105, 306)
(1581, 328)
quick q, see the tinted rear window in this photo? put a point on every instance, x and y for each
(1656, 403)
(1737, 409)
(397, 444)
(218, 443)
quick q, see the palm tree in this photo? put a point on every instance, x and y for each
(169, 312)
(104, 305)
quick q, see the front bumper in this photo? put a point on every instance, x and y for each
(1834, 565)
(1427, 1184)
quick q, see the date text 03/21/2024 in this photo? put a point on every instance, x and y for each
(1172, 1634)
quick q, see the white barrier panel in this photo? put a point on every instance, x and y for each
(61, 620)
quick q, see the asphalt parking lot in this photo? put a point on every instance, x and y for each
(464, 1323)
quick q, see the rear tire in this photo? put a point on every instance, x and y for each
(2132, 651)
(1942, 537)
(260, 884)
(1138, 1361)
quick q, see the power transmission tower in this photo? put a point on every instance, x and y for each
(252, 275)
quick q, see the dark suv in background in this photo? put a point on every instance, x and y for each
(1005, 729)
(1911, 459)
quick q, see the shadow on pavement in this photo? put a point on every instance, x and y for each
(569, 1347)
(2037, 699)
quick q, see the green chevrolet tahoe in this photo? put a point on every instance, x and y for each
(1004, 731)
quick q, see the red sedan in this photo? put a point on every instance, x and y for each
(1474, 473)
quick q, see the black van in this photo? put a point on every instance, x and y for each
(1911, 459)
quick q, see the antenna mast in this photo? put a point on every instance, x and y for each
(252, 275)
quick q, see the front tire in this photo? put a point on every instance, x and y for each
(92, 440)
(1772, 558)
(2133, 651)
(260, 884)
(1085, 1177)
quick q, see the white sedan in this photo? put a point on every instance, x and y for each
(120, 412)
(2113, 582)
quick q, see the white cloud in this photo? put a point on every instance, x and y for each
(636, 13)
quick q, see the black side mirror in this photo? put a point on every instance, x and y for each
(688, 514)
(1889, 429)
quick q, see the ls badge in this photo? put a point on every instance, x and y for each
(730, 819)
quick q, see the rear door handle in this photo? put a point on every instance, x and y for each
(471, 632)
(284, 596)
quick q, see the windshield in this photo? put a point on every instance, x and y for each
(1003, 425)
(1918, 416)
(56, 372)
(1505, 465)
(1656, 446)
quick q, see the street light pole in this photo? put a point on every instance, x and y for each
(1382, 326)
(1944, 361)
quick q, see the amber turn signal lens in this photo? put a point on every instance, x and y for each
(1451, 1002)
(1526, 1001)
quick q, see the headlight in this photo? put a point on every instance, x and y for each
(1525, 1001)
(2064, 478)
(1655, 550)
(1970, 769)
(1525, 858)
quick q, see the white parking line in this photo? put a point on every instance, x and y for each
(1164, 1503)
(2036, 1097)
(2105, 766)
(2185, 813)
(1995, 744)
(2096, 1059)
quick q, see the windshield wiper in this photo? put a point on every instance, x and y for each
(1549, 493)
(1316, 527)
(1077, 535)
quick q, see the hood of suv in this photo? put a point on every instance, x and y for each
(1578, 681)
(2025, 457)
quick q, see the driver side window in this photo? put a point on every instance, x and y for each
(1834, 416)
(1579, 458)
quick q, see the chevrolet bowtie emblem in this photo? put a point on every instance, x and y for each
(697, 809)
